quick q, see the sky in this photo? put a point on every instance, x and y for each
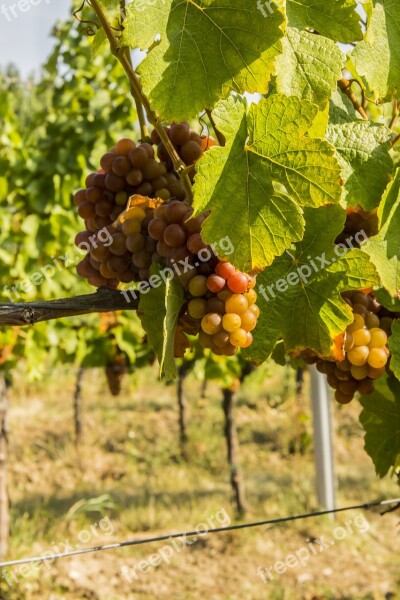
(25, 35)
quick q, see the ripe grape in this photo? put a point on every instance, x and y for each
(366, 387)
(225, 269)
(238, 283)
(191, 151)
(179, 134)
(231, 322)
(221, 339)
(215, 284)
(361, 337)
(195, 243)
(378, 338)
(358, 355)
(198, 286)
(343, 398)
(211, 323)
(197, 308)
(377, 358)
(124, 147)
(175, 235)
(121, 166)
(249, 320)
(238, 338)
(236, 304)
(254, 309)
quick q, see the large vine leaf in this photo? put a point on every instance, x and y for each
(384, 248)
(363, 153)
(377, 58)
(309, 66)
(380, 419)
(299, 295)
(306, 167)
(205, 49)
(336, 19)
(162, 304)
(266, 146)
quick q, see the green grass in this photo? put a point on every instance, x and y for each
(129, 469)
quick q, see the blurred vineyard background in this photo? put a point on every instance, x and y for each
(132, 462)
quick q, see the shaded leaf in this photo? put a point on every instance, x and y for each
(299, 295)
(160, 307)
(380, 419)
(363, 154)
(336, 19)
(377, 57)
(384, 248)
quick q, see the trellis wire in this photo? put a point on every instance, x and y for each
(171, 536)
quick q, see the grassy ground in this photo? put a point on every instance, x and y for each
(128, 480)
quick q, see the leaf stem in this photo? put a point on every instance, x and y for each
(395, 113)
(144, 132)
(121, 55)
(218, 134)
(395, 140)
(345, 86)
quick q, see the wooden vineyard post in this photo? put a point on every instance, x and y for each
(78, 407)
(233, 449)
(182, 408)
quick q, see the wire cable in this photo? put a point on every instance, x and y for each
(171, 536)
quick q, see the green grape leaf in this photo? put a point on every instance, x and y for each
(384, 248)
(336, 19)
(205, 49)
(309, 66)
(394, 347)
(377, 57)
(267, 146)
(299, 295)
(363, 153)
(341, 109)
(162, 304)
(305, 166)
(380, 419)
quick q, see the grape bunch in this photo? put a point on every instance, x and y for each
(125, 254)
(358, 220)
(136, 215)
(115, 371)
(365, 346)
(126, 170)
(189, 145)
(221, 309)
